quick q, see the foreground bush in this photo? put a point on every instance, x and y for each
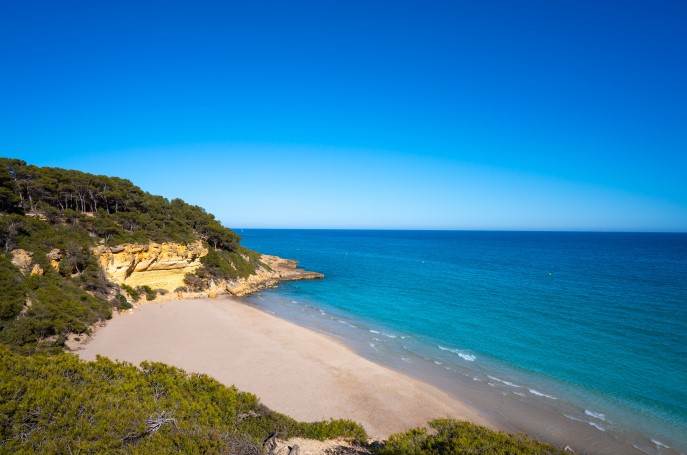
(457, 437)
(60, 404)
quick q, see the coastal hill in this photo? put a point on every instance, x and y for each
(78, 247)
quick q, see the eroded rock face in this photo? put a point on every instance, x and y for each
(279, 270)
(22, 259)
(158, 265)
(55, 256)
(164, 266)
(37, 270)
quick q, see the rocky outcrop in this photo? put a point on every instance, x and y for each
(158, 265)
(277, 270)
(23, 260)
(164, 266)
(55, 256)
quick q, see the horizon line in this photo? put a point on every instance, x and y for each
(590, 231)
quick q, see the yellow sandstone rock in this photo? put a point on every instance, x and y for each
(55, 256)
(164, 266)
(158, 265)
(37, 270)
(22, 260)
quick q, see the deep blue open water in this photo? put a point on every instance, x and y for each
(591, 326)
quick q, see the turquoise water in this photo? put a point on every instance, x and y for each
(591, 327)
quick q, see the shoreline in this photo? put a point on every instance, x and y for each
(295, 370)
(559, 420)
(311, 373)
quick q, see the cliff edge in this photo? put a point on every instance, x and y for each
(165, 266)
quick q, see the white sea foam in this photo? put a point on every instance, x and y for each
(520, 394)
(388, 335)
(490, 384)
(346, 323)
(293, 301)
(539, 394)
(373, 346)
(462, 354)
(639, 448)
(505, 382)
(596, 415)
(405, 359)
(573, 418)
(436, 362)
(659, 443)
(375, 331)
(594, 424)
(597, 426)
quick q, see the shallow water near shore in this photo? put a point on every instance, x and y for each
(576, 338)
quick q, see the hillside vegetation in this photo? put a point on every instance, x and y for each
(59, 404)
(50, 212)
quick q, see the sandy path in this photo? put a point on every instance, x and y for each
(293, 370)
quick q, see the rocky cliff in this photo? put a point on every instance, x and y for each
(277, 270)
(158, 265)
(164, 266)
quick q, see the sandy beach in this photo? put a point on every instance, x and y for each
(294, 370)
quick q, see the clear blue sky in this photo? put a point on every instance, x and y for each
(551, 114)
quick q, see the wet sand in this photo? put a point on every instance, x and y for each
(300, 372)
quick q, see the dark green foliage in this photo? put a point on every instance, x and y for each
(149, 292)
(219, 264)
(59, 404)
(60, 302)
(113, 209)
(58, 307)
(12, 294)
(138, 291)
(121, 303)
(134, 293)
(459, 437)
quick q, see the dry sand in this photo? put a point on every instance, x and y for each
(300, 372)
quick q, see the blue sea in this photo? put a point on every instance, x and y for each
(573, 337)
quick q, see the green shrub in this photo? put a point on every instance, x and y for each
(460, 437)
(150, 293)
(229, 265)
(134, 294)
(121, 303)
(12, 293)
(59, 404)
(332, 429)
